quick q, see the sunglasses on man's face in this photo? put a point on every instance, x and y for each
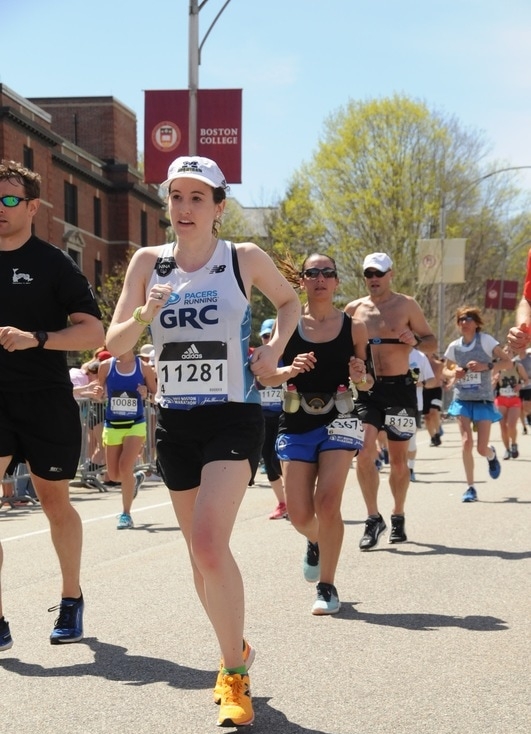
(313, 273)
(464, 319)
(11, 201)
(374, 274)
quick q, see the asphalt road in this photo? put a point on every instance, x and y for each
(433, 635)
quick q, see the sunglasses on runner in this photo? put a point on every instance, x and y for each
(464, 319)
(11, 201)
(313, 273)
(368, 274)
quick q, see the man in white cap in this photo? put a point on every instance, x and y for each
(395, 324)
(147, 354)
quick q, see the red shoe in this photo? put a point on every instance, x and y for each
(280, 512)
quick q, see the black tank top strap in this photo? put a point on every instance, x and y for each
(236, 267)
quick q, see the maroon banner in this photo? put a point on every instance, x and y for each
(495, 298)
(219, 121)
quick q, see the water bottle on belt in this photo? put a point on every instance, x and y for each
(291, 399)
(343, 400)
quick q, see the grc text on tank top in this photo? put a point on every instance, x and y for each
(201, 337)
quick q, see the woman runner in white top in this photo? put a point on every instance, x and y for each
(195, 293)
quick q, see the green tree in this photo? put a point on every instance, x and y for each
(377, 182)
(295, 225)
(109, 293)
(251, 225)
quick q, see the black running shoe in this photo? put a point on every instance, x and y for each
(398, 529)
(6, 641)
(435, 440)
(69, 624)
(494, 465)
(374, 527)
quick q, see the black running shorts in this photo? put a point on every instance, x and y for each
(42, 428)
(186, 440)
(395, 392)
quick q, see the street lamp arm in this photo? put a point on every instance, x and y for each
(442, 209)
(210, 28)
(483, 178)
(500, 170)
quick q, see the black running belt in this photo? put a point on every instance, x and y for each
(376, 341)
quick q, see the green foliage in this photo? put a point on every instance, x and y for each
(296, 226)
(251, 225)
(108, 294)
(377, 182)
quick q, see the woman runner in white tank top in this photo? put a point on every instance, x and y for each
(195, 294)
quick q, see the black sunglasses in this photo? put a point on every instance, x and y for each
(313, 273)
(374, 274)
(11, 201)
(465, 318)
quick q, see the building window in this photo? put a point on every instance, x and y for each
(70, 203)
(97, 216)
(75, 255)
(143, 229)
(27, 157)
(98, 275)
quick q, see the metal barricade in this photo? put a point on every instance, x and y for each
(149, 454)
(91, 417)
(23, 491)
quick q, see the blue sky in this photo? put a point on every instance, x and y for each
(297, 61)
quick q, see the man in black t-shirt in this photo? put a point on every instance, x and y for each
(47, 308)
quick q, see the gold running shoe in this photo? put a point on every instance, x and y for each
(236, 707)
(248, 657)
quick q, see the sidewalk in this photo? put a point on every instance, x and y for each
(433, 635)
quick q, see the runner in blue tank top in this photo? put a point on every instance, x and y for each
(127, 382)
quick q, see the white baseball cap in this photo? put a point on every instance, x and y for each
(146, 350)
(194, 166)
(379, 261)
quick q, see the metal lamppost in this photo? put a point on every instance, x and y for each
(194, 60)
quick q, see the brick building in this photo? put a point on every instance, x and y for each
(94, 203)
